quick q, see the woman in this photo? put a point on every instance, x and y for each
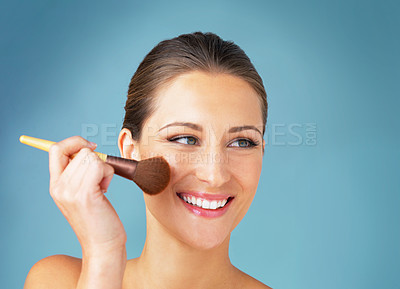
(198, 101)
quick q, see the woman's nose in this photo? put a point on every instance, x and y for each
(213, 169)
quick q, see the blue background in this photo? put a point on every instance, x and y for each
(327, 211)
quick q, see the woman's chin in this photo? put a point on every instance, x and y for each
(205, 240)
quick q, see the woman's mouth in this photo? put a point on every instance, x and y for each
(206, 205)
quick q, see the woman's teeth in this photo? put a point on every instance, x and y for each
(205, 204)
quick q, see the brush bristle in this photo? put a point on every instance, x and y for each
(152, 175)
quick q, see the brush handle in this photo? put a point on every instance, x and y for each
(45, 145)
(123, 167)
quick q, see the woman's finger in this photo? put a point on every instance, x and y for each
(61, 152)
(74, 173)
(108, 175)
(98, 173)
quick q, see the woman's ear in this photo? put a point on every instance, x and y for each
(127, 146)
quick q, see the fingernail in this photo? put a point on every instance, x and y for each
(92, 144)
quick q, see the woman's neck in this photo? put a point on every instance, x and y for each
(166, 263)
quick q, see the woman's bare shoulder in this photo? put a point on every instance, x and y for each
(249, 282)
(255, 284)
(57, 271)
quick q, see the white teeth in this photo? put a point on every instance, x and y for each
(205, 204)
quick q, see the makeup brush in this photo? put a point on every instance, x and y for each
(151, 175)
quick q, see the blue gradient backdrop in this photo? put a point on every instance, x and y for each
(326, 214)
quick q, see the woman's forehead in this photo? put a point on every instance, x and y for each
(207, 99)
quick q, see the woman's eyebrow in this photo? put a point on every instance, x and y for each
(187, 124)
(199, 128)
(244, 127)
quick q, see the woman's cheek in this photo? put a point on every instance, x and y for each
(246, 170)
(180, 162)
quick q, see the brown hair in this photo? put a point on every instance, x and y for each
(185, 53)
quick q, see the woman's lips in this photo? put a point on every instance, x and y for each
(206, 205)
(206, 196)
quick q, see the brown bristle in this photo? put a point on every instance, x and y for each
(152, 175)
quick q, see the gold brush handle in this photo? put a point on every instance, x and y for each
(45, 145)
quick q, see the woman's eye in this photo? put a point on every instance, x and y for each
(243, 143)
(188, 140)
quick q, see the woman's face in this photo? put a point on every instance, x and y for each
(209, 129)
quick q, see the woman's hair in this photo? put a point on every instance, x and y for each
(197, 51)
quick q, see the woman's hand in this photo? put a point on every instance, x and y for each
(77, 186)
